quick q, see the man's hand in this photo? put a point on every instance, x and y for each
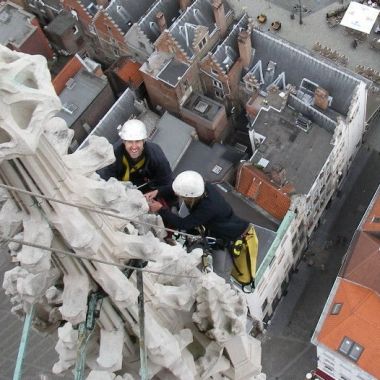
(154, 206)
(151, 195)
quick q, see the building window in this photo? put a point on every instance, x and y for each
(265, 304)
(249, 86)
(75, 29)
(335, 310)
(217, 84)
(69, 108)
(350, 348)
(219, 94)
(202, 43)
(186, 84)
(213, 71)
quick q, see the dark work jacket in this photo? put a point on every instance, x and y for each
(214, 213)
(155, 172)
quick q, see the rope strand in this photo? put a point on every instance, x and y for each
(97, 210)
(76, 256)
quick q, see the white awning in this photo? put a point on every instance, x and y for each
(360, 17)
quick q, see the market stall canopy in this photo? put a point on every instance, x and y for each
(360, 17)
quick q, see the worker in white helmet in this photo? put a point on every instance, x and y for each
(209, 209)
(141, 162)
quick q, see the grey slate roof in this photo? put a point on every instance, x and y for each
(77, 97)
(227, 52)
(61, 23)
(148, 23)
(127, 12)
(172, 72)
(298, 63)
(213, 162)
(199, 13)
(174, 137)
(14, 25)
(302, 154)
(121, 111)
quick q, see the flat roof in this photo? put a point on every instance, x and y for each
(212, 162)
(302, 154)
(15, 26)
(173, 72)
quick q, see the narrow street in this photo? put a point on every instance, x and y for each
(287, 351)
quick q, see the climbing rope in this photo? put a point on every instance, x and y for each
(71, 254)
(98, 210)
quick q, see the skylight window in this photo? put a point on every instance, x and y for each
(355, 352)
(69, 108)
(351, 349)
(346, 346)
(336, 308)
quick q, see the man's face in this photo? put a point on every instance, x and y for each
(134, 148)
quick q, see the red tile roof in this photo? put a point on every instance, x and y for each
(358, 291)
(358, 320)
(372, 222)
(69, 70)
(128, 71)
(254, 184)
(362, 265)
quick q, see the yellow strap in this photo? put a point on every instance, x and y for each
(134, 168)
(253, 248)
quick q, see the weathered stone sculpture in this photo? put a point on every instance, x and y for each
(182, 304)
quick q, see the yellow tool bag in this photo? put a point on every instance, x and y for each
(244, 254)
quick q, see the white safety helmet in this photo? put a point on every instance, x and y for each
(132, 130)
(189, 184)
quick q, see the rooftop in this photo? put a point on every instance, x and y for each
(203, 106)
(61, 23)
(148, 23)
(285, 146)
(214, 162)
(79, 93)
(15, 26)
(123, 109)
(352, 326)
(173, 72)
(200, 13)
(174, 137)
(298, 63)
(227, 53)
(125, 13)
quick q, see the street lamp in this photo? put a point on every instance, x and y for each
(300, 9)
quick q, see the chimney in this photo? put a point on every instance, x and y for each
(321, 98)
(183, 4)
(245, 48)
(160, 18)
(220, 17)
(278, 175)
